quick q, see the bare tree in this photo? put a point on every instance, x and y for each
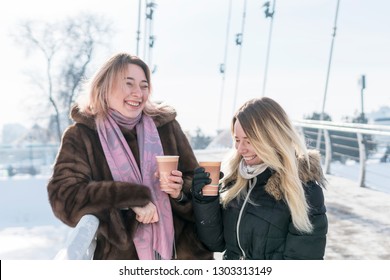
(67, 47)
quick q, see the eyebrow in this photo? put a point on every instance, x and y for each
(130, 78)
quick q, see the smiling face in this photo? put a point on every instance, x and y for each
(244, 146)
(130, 92)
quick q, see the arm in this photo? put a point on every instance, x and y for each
(309, 246)
(208, 214)
(75, 189)
(208, 220)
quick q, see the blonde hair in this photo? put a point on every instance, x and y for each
(277, 143)
(94, 102)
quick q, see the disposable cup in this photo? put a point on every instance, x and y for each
(166, 164)
(212, 167)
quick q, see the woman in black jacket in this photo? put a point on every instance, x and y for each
(270, 204)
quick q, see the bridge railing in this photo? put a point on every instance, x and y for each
(81, 243)
(354, 141)
(343, 141)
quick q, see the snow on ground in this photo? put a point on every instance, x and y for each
(359, 221)
(32, 243)
(28, 228)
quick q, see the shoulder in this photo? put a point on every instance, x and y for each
(82, 118)
(72, 137)
(310, 168)
(79, 132)
(167, 124)
(315, 196)
(163, 114)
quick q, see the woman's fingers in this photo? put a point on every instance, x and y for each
(147, 214)
(175, 184)
(154, 218)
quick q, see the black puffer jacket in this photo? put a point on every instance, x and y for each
(264, 229)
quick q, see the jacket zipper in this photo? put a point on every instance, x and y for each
(251, 185)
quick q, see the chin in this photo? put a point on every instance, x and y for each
(255, 161)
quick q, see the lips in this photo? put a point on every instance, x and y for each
(133, 103)
(248, 158)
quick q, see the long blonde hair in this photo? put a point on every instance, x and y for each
(277, 143)
(94, 102)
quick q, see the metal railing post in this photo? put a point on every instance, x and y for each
(328, 152)
(362, 159)
(81, 243)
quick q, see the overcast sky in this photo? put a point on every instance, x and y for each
(190, 45)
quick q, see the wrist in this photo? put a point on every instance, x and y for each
(181, 198)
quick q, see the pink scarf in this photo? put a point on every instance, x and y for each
(152, 241)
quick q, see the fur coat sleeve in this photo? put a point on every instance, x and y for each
(82, 184)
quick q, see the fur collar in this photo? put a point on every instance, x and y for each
(306, 174)
(167, 115)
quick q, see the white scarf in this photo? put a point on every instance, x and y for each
(251, 171)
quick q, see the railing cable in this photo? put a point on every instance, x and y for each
(222, 67)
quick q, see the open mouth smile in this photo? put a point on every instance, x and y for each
(133, 103)
(249, 157)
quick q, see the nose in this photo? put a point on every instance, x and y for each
(241, 148)
(136, 91)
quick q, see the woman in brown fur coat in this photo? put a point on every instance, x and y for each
(271, 204)
(106, 167)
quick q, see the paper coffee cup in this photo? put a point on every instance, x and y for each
(212, 167)
(166, 164)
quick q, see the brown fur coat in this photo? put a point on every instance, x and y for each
(82, 184)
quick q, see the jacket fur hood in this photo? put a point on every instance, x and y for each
(166, 115)
(307, 172)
